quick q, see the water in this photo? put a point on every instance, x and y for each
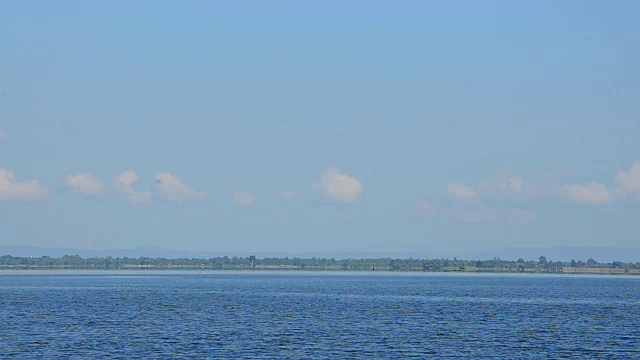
(318, 316)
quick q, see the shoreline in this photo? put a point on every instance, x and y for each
(195, 271)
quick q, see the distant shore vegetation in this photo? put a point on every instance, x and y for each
(542, 265)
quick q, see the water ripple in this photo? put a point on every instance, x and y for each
(308, 317)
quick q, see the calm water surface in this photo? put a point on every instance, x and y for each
(318, 315)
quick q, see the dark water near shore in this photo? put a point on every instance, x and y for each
(318, 315)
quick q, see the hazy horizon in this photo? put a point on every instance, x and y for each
(357, 127)
(605, 254)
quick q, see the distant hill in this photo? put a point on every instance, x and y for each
(555, 253)
(559, 253)
(155, 252)
(152, 252)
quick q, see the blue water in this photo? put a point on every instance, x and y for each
(318, 316)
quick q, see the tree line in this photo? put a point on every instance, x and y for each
(317, 263)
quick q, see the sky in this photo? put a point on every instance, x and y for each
(424, 127)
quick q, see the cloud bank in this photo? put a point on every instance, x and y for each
(627, 183)
(471, 212)
(85, 183)
(338, 186)
(10, 189)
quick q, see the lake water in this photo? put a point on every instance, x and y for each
(297, 315)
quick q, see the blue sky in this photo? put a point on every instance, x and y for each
(423, 127)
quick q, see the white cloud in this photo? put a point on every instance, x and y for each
(628, 182)
(85, 183)
(588, 193)
(124, 184)
(460, 191)
(174, 189)
(12, 190)
(338, 186)
(289, 195)
(244, 198)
